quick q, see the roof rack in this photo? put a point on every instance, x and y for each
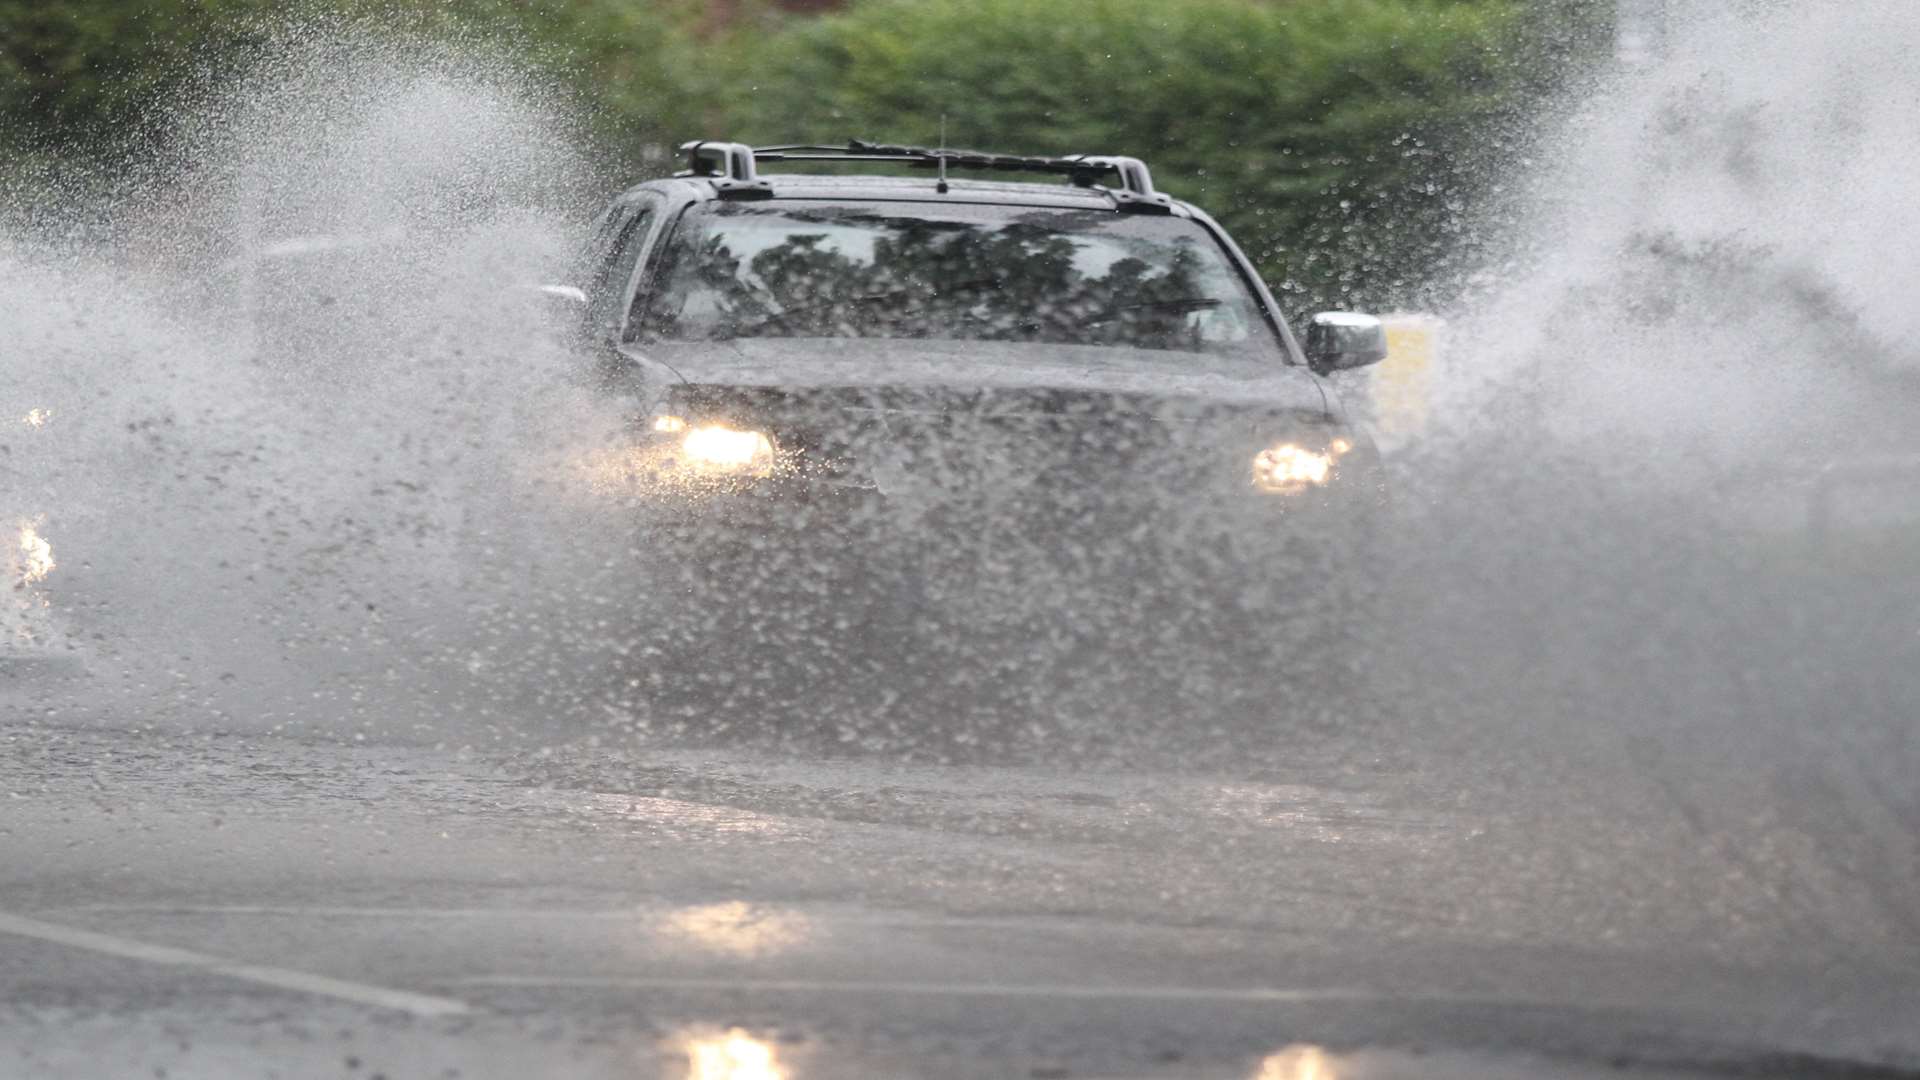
(733, 167)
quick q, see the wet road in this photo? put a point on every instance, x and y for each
(250, 905)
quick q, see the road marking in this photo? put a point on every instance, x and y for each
(926, 989)
(326, 911)
(882, 921)
(379, 997)
(1255, 995)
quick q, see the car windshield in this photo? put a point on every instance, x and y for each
(965, 272)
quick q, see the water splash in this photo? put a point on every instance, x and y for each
(302, 400)
(1607, 549)
(317, 462)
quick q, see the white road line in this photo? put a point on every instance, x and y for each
(926, 989)
(885, 921)
(359, 993)
(325, 911)
(1255, 995)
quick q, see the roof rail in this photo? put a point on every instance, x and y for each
(728, 164)
(732, 166)
(1136, 183)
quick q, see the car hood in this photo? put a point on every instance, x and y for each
(1169, 378)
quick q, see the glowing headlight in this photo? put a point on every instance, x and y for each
(724, 449)
(1289, 468)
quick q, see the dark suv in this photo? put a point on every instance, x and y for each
(1090, 352)
(880, 419)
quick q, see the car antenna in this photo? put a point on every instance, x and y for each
(941, 187)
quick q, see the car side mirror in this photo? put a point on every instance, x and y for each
(1338, 340)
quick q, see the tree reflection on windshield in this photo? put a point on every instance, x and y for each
(1059, 277)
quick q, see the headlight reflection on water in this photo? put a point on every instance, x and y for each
(737, 928)
(1300, 1062)
(732, 1055)
(34, 557)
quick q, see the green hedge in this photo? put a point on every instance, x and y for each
(1350, 145)
(1342, 141)
(1347, 143)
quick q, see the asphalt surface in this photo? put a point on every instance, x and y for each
(245, 905)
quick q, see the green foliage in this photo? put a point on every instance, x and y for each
(1344, 142)
(87, 85)
(83, 72)
(639, 63)
(1339, 140)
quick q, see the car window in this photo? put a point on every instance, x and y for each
(612, 277)
(987, 273)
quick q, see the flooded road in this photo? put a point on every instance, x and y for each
(298, 906)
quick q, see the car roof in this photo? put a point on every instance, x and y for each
(920, 188)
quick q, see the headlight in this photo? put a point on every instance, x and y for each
(1290, 468)
(719, 448)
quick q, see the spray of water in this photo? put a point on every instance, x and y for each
(1719, 242)
(282, 415)
(1645, 412)
(309, 457)
(306, 455)
(1611, 581)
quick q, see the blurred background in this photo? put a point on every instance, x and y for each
(1363, 150)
